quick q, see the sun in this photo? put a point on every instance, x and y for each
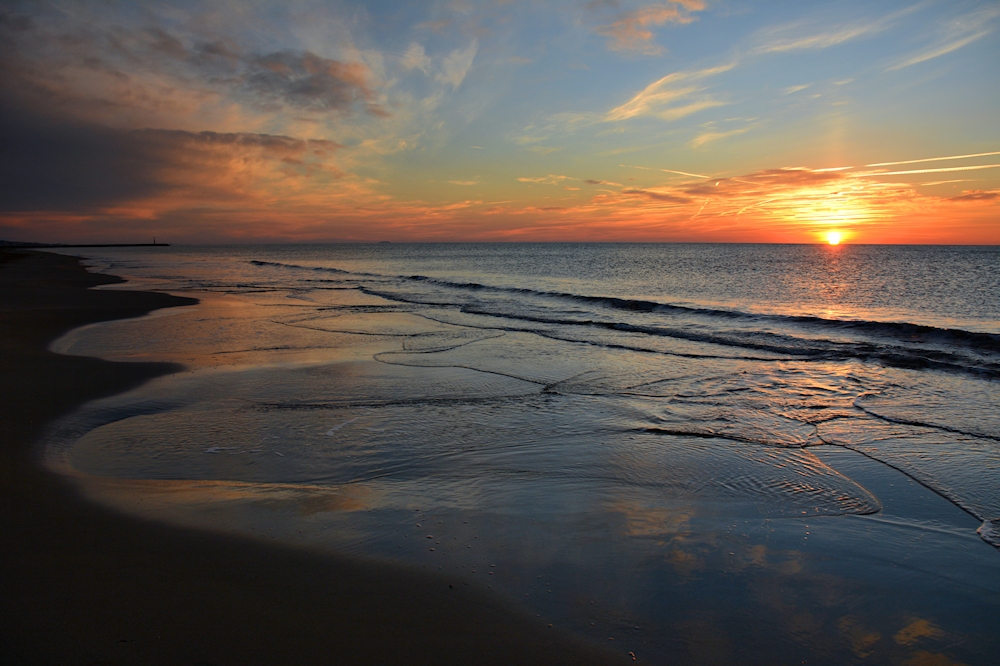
(833, 237)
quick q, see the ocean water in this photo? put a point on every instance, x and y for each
(705, 453)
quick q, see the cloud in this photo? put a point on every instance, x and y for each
(708, 137)
(308, 81)
(55, 165)
(165, 43)
(457, 64)
(790, 37)
(978, 195)
(956, 34)
(681, 94)
(463, 182)
(631, 31)
(938, 170)
(559, 124)
(670, 97)
(791, 201)
(452, 69)
(415, 58)
(435, 26)
(794, 89)
(934, 159)
(108, 71)
(659, 196)
(823, 40)
(763, 181)
(938, 51)
(674, 171)
(551, 179)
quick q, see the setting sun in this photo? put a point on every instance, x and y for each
(833, 237)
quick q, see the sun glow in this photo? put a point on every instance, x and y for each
(833, 237)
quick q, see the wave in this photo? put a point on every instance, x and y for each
(912, 333)
(325, 269)
(859, 402)
(762, 341)
(916, 346)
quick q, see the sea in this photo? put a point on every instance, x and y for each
(696, 453)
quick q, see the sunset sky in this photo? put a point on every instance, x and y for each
(725, 120)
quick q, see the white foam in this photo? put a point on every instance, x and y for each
(217, 449)
(332, 432)
(989, 532)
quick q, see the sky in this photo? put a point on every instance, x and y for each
(500, 120)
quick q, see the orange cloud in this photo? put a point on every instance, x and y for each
(978, 195)
(631, 31)
(671, 97)
(276, 190)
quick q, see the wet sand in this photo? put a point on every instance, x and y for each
(81, 584)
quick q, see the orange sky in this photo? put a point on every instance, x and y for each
(629, 121)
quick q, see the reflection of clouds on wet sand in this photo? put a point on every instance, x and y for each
(680, 496)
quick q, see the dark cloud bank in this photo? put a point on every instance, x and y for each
(53, 164)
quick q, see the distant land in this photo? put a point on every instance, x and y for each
(4, 243)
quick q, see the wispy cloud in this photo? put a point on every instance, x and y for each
(679, 173)
(941, 170)
(939, 50)
(954, 35)
(631, 31)
(416, 58)
(794, 89)
(464, 182)
(671, 97)
(800, 36)
(780, 43)
(557, 124)
(457, 64)
(658, 196)
(681, 93)
(934, 159)
(978, 195)
(708, 137)
(945, 182)
(551, 179)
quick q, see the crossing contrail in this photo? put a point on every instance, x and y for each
(933, 159)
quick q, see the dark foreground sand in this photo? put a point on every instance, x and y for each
(80, 584)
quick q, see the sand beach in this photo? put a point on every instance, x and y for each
(82, 584)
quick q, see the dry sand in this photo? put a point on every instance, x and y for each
(81, 584)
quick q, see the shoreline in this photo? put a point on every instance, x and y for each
(82, 583)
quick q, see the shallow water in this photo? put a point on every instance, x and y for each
(705, 453)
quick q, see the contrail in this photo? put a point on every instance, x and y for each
(682, 173)
(933, 159)
(903, 173)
